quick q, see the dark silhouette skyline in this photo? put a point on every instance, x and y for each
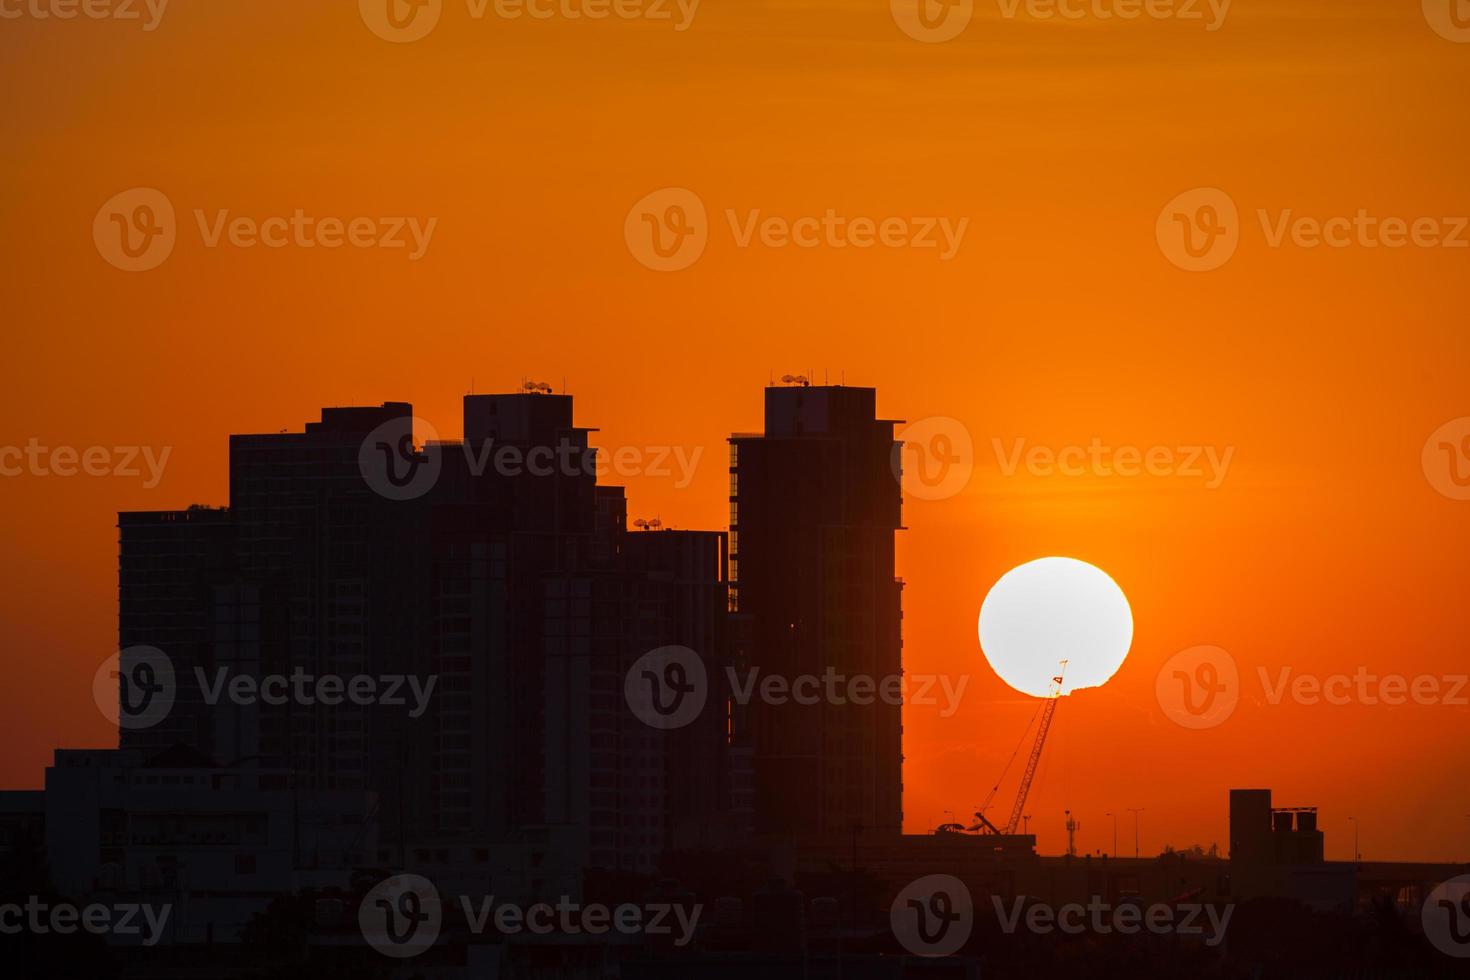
(396, 688)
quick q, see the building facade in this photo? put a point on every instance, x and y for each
(814, 507)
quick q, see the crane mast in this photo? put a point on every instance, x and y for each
(1047, 712)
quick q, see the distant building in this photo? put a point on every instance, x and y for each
(216, 844)
(1264, 835)
(814, 505)
(495, 567)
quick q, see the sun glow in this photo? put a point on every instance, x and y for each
(1055, 609)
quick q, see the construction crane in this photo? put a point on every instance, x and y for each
(1048, 710)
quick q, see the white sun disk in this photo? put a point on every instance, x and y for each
(1055, 609)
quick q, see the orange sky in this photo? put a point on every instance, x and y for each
(1058, 320)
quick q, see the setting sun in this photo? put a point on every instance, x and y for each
(1050, 610)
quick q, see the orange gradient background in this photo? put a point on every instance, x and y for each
(1060, 320)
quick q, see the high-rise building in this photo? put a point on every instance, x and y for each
(175, 569)
(814, 504)
(494, 568)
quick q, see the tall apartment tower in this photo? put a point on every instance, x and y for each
(814, 504)
(494, 567)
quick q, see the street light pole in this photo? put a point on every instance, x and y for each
(1115, 831)
(1135, 811)
(1357, 852)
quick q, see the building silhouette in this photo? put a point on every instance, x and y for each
(495, 566)
(498, 573)
(814, 505)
